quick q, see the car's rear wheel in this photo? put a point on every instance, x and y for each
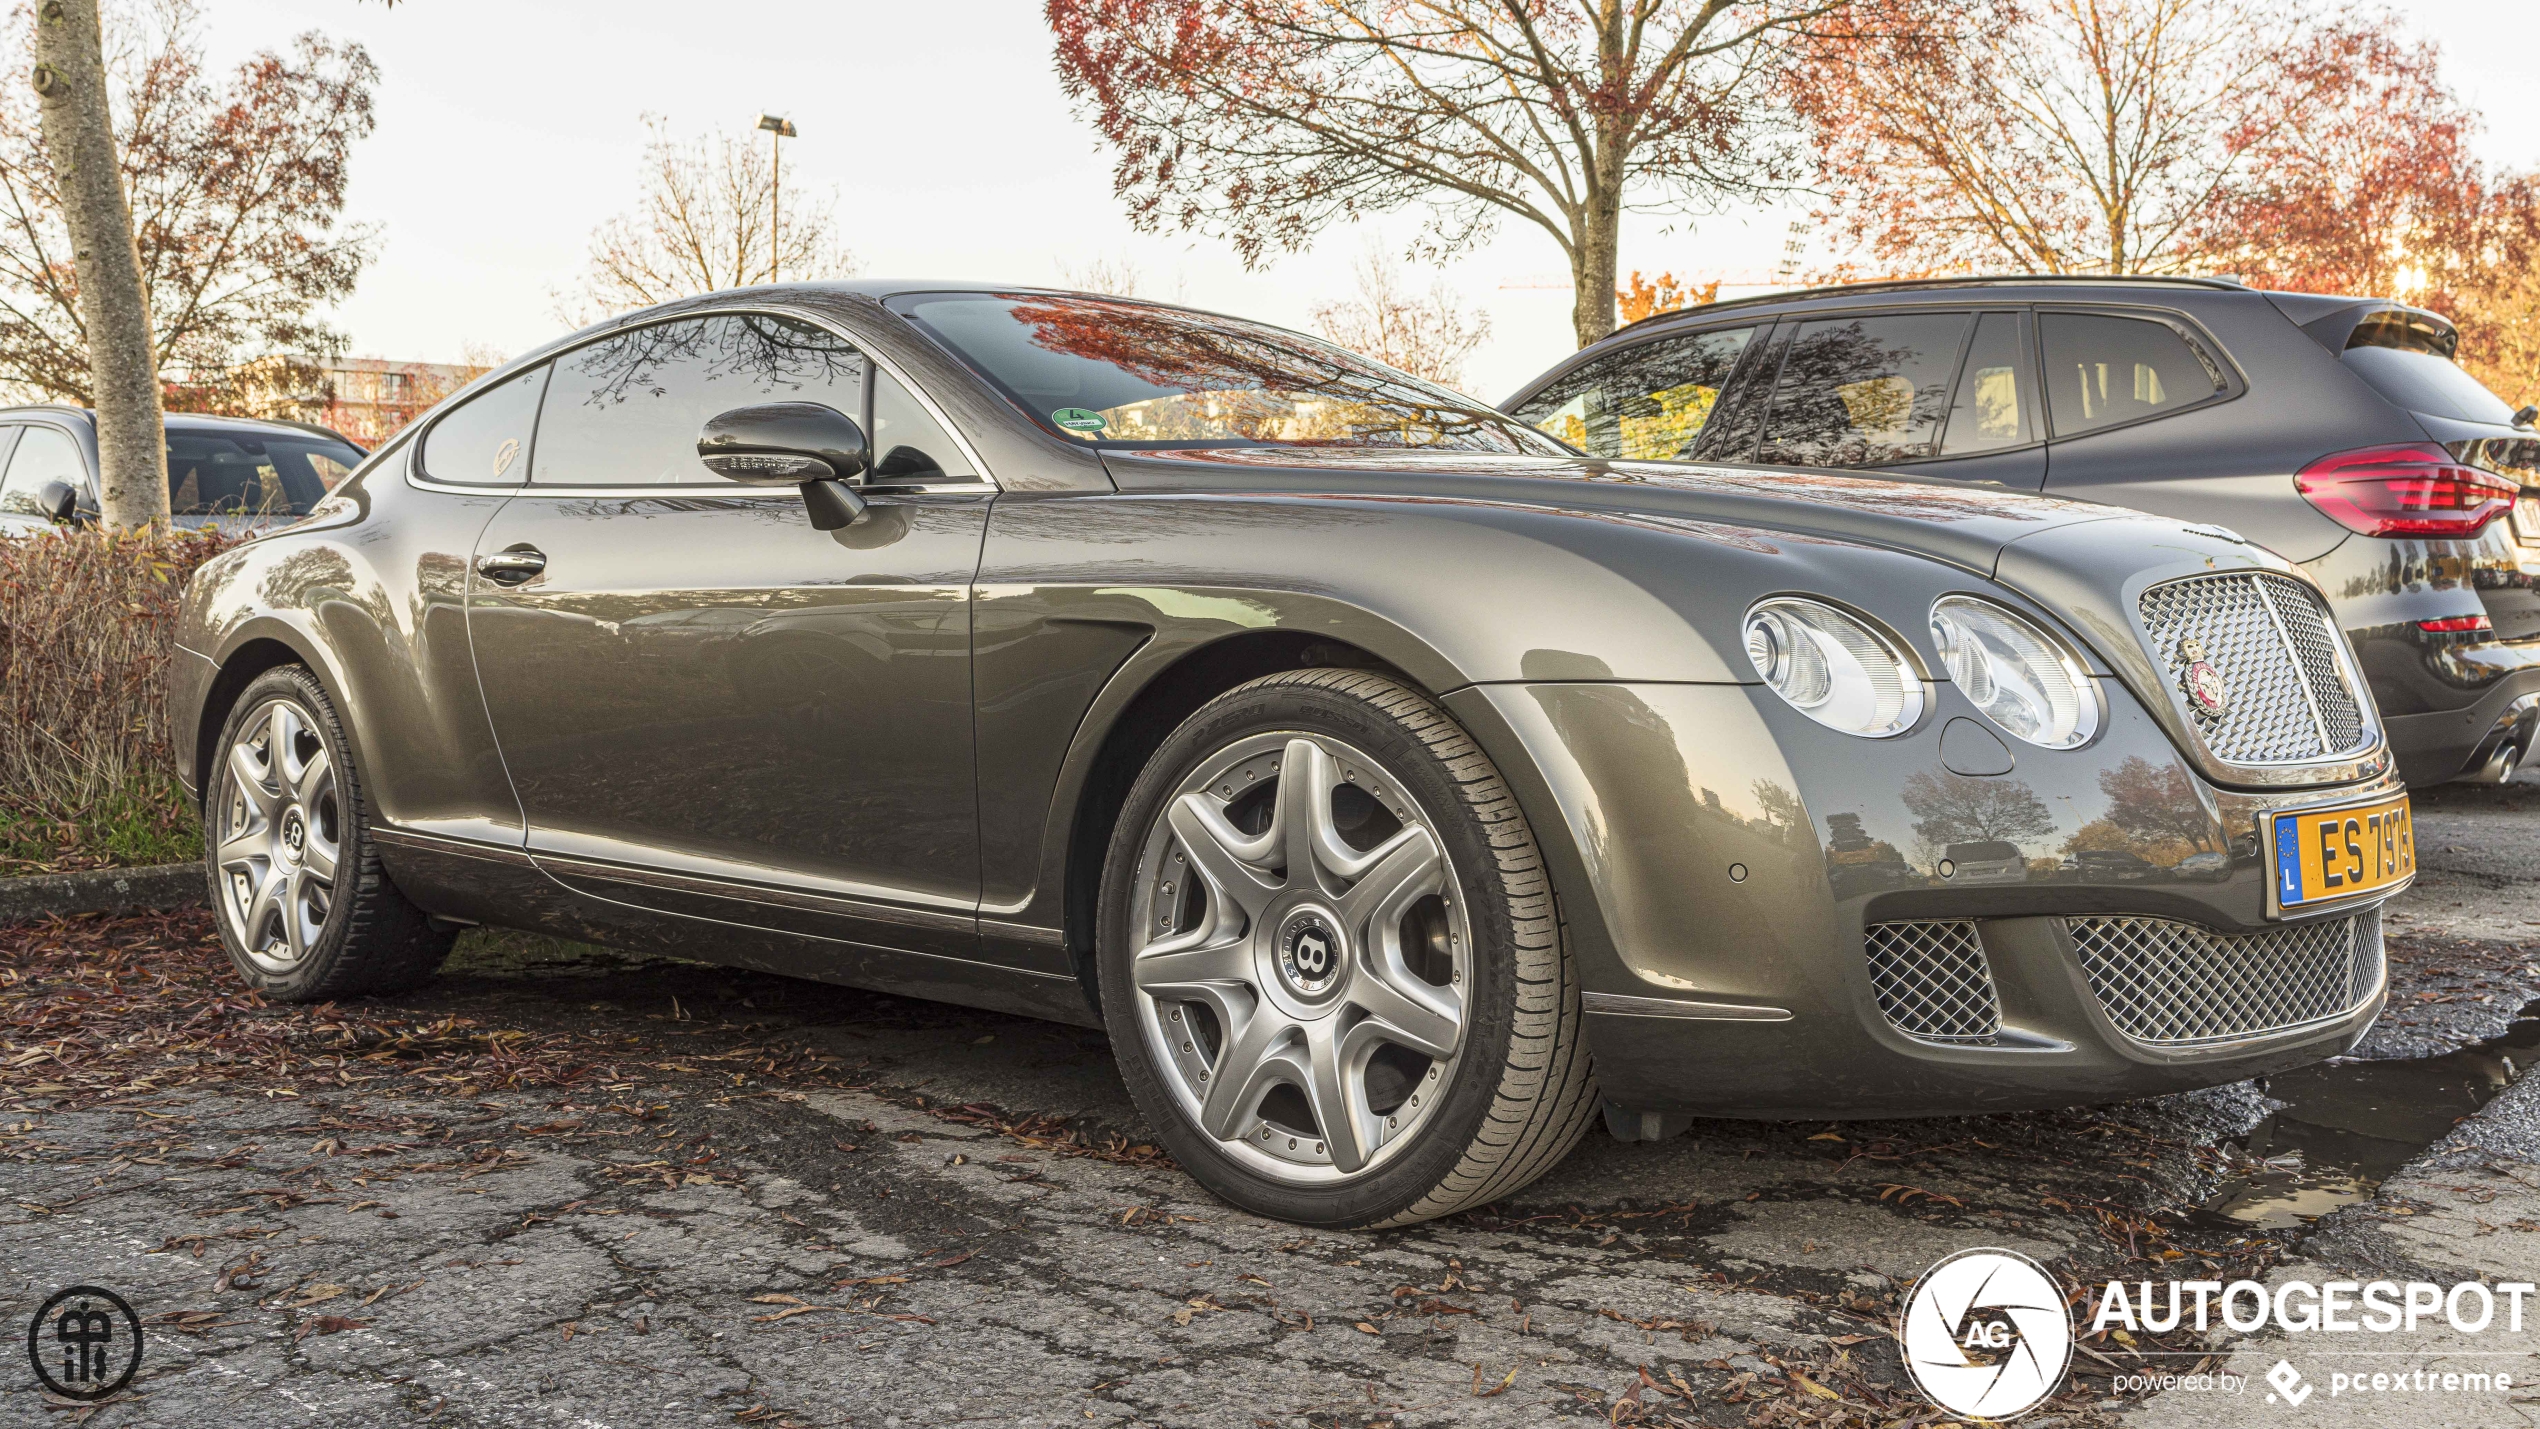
(303, 906)
(1331, 964)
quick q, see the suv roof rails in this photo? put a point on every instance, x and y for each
(1972, 280)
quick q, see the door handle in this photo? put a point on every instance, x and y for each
(513, 566)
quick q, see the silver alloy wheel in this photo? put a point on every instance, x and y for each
(279, 822)
(1304, 967)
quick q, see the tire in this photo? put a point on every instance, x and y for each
(302, 904)
(1411, 987)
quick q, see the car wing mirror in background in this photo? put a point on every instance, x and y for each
(2524, 417)
(907, 464)
(804, 444)
(60, 501)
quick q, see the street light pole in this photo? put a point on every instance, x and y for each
(779, 129)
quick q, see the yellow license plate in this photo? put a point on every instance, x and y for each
(2326, 855)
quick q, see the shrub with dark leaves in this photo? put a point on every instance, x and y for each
(87, 628)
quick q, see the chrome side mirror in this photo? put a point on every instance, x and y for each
(814, 447)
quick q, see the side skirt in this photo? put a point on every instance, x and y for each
(504, 887)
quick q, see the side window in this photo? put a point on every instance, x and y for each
(625, 411)
(44, 454)
(1863, 391)
(486, 438)
(909, 445)
(1996, 406)
(2102, 371)
(1646, 403)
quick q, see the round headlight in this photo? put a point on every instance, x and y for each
(2021, 677)
(1833, 667)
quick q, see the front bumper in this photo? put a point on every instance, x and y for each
(1724, 858)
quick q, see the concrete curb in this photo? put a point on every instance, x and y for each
(105, 890)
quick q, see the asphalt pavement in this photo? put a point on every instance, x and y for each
(568, 1187)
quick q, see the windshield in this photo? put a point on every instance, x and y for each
(238, 474)
(1111, 372)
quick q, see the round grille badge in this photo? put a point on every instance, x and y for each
(1987, 1335)
(1309, 954)
(2203, 683)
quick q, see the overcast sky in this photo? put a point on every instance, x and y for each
(507, 130)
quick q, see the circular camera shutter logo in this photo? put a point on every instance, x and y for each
(85, 1343)
(1987, 1334)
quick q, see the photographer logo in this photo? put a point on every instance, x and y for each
(85, 1342)
(1986, 1334)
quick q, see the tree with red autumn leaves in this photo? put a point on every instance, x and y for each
(236, 187)
(2307, 146)
(1267, 120)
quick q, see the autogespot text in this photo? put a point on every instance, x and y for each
(2303, 1307)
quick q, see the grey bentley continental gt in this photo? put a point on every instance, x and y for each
(1401, 789)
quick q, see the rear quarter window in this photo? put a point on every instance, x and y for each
(2107, 371)
(485, 439)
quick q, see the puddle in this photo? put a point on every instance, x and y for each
(2349, 1124)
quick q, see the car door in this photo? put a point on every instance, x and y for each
(1647, 401)
(708, 707)
(1934, 392)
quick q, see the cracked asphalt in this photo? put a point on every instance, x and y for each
(562, 1186)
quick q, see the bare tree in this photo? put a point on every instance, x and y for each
(703, 225)
(1268, 120)
(2130, 136)
(113, 306)
(236, 190)
(1120, 277)
(1425, 334)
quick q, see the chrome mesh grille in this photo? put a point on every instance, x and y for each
(1932, 981)
(2174, 984)
(2315, 645)
(2272, 642)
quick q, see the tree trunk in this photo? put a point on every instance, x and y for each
(1593, 259)
(123, 368)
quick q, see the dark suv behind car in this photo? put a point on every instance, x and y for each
(2338, 431)
(231, 472)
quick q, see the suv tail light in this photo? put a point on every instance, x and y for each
(2405, 491)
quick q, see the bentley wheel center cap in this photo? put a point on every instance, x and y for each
(1310, 953)
(295, 833)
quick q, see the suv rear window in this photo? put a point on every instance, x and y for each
(238, 474)
(2409, 360)
(1648, 402)
(1864, 391)
(2104, 371)
(1985, 851)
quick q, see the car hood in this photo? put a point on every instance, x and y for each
(1966, 524)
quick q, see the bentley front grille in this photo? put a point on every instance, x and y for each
(2276, 692)
(1933, 983)
(2172, 984)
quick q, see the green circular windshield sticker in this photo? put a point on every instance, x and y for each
(1077, 419)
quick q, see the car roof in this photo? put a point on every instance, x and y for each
(187, 421)
(2003, 286)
